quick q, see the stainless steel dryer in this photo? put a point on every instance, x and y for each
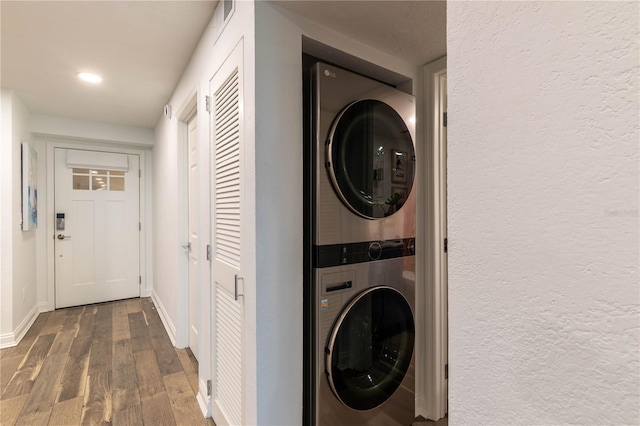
(365, 159)
(362, 301)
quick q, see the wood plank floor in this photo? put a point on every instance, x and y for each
(110, 363)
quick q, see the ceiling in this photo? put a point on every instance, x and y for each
(414, 31)
(141, 48)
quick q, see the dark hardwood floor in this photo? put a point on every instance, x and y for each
(110, 363)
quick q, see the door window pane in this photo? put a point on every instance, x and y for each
(98, 180)
(116, 183)
(98, 183)
(81, 182)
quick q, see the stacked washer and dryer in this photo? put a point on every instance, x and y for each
(363, 259)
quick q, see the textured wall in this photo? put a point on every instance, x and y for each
(543, 212)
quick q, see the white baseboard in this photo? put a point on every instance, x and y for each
(44, 307)
(203, 402)
(164, 317)
(8, 340)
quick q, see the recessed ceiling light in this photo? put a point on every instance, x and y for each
(88, 77)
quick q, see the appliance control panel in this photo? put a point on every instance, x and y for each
(368, 251)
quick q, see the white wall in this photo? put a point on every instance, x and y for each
(169, 197)
(82, 130)
(6, 219)
(272, 77)
(19, 287)
(279, 228)
(25, 258)
(279, 210)
(543, 212)
(54, 131)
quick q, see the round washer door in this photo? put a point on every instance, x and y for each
(370, 158)
(370, 348)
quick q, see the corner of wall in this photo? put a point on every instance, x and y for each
(6, 217)
(10, 339)
(164, 317)
(23, 243)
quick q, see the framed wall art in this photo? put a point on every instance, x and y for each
(29, 187)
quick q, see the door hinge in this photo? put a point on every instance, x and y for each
(446, 371)
(139, 173)
(139, 279)
(446, 245)
(207, 103)
(444, 119)
(208, 387)
(208, 252)
(139, 226)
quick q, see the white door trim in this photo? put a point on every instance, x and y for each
(195, 100)
(145, 290)
(432, 386)
(182, 297)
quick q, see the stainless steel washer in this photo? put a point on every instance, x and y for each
(363, 251)
(365, 335)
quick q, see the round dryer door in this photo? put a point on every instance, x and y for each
(370, 158)
(370, 348)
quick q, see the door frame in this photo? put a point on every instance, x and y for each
(431, 231)
(145, 266)
(182, 297)
(195, 99)
(192, 115)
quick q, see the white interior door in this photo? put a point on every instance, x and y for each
(194, 239)
(227, 228)
(97, 244)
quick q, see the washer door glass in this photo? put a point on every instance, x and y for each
(370, 348)
(371, 158)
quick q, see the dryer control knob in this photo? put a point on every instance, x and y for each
(375, 250)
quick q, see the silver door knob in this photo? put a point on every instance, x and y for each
(63, 237)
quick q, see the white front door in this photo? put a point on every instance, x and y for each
(97, 244)
(194, 239)
(226, 90)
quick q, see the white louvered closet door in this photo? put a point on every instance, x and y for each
(227, 189)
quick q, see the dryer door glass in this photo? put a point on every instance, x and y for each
(370, 348)
(371, 158)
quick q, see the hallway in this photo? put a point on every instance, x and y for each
(107, 363)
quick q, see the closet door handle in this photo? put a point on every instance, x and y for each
(236, 292)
